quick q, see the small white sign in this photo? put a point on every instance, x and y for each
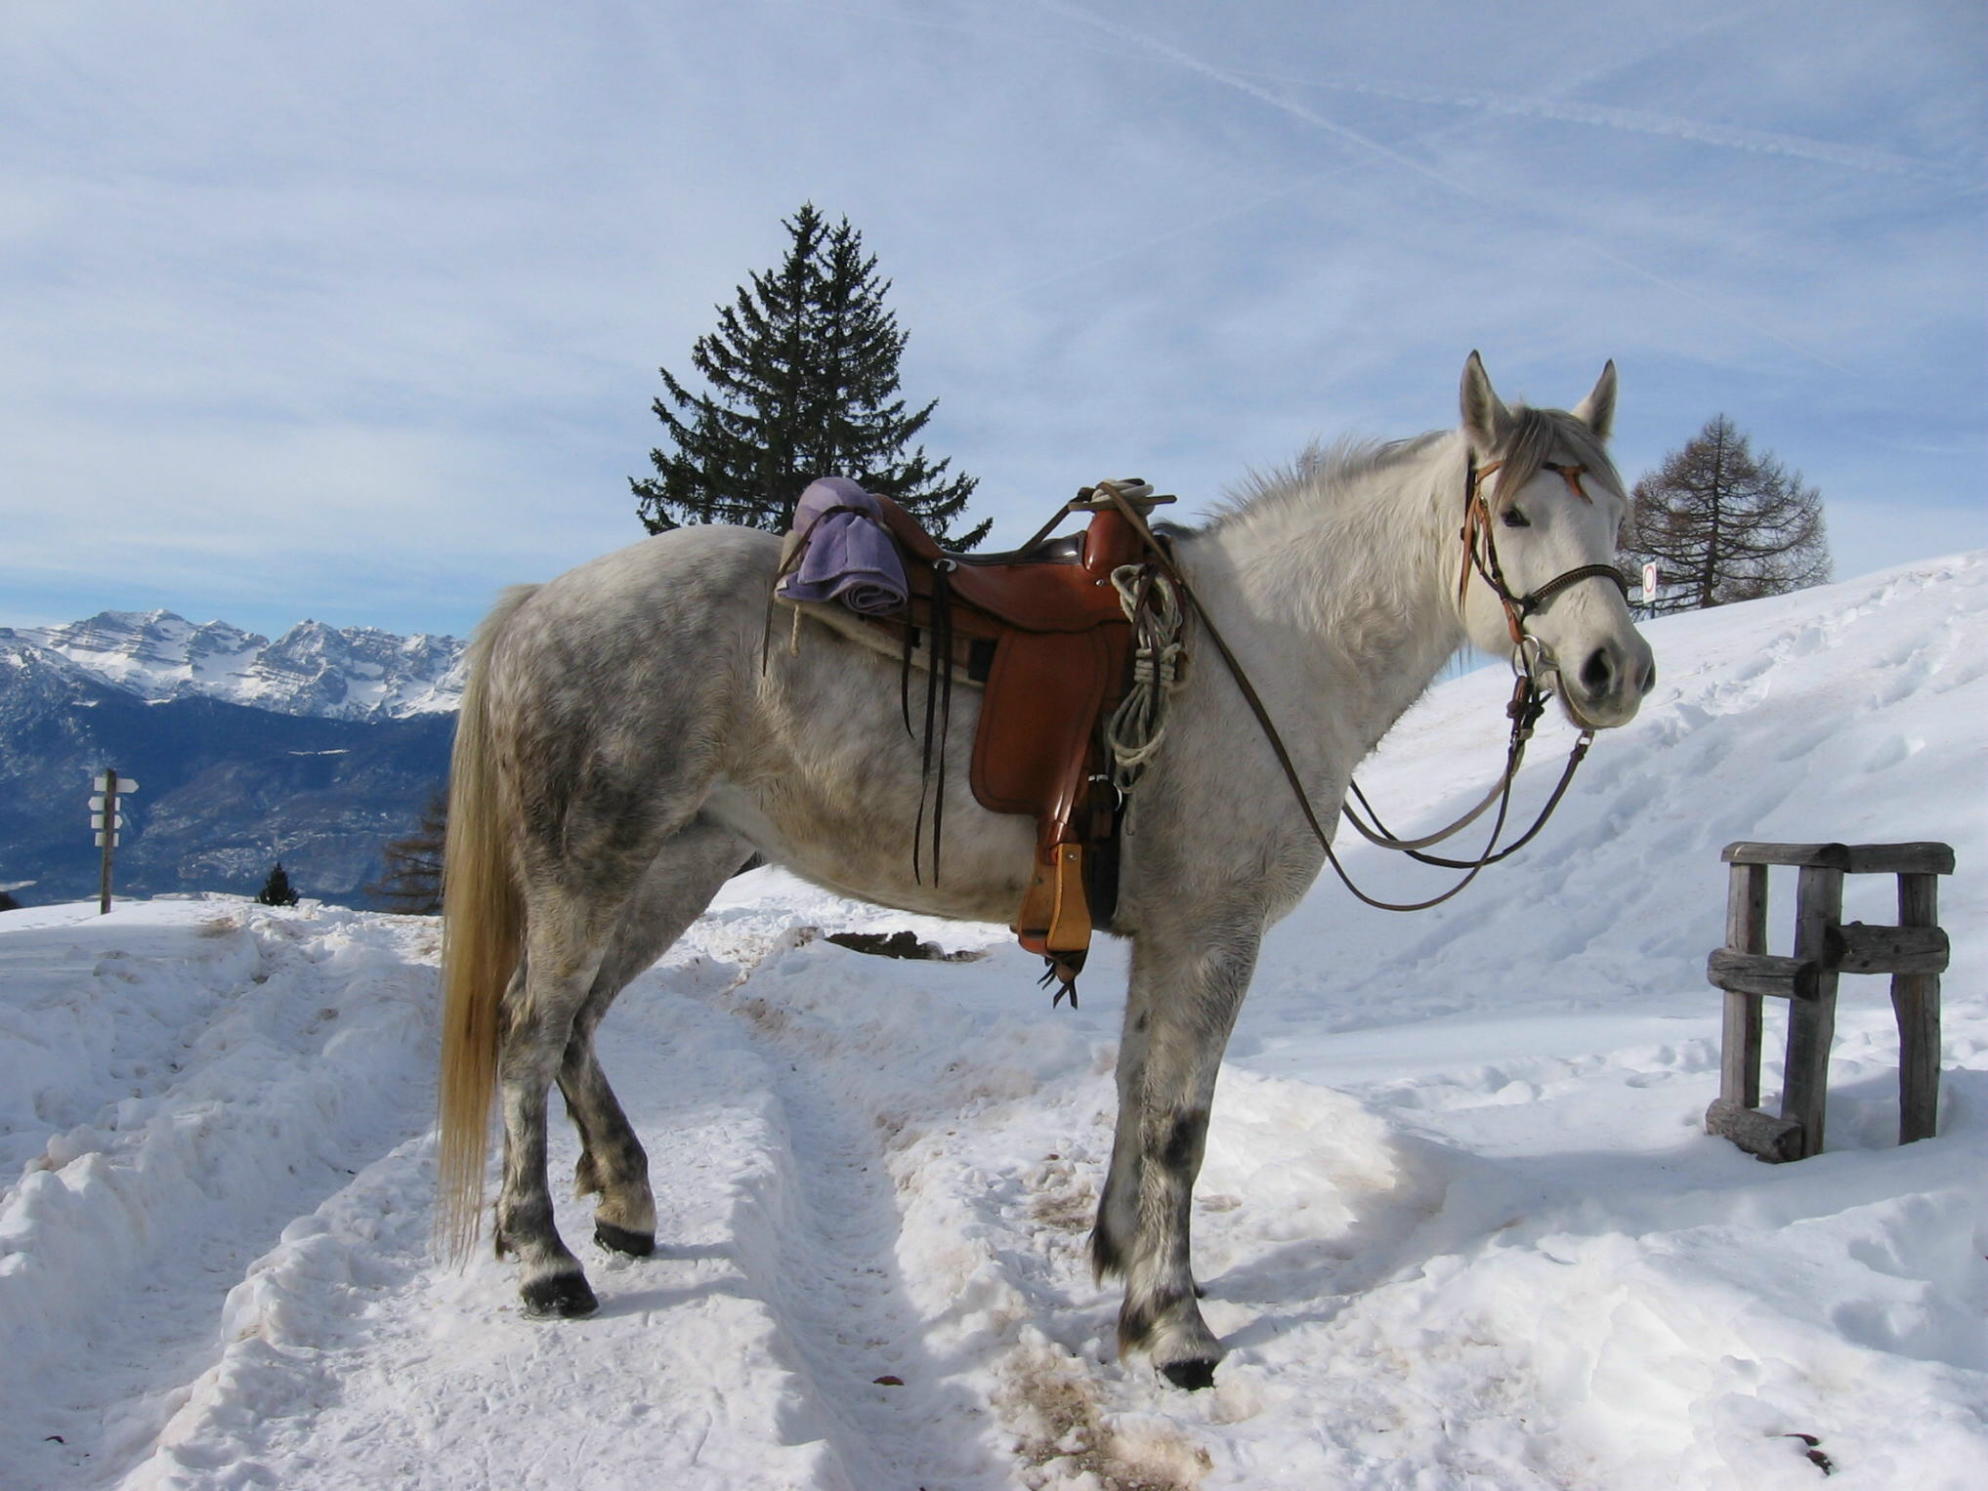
(1650, 581)
(97, 820)
(100, 841)
(101, 781)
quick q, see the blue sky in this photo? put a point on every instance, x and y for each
(353, 312)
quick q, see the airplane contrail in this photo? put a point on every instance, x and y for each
(1644, 122)
(1304, 114)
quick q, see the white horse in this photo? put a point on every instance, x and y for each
(626, 741)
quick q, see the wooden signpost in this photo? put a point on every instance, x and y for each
(106, 788)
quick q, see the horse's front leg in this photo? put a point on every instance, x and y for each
(1187, 984)
(1118, 1206)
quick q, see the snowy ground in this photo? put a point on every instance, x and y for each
(1458, 1223)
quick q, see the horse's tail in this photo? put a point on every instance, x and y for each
(482, 937)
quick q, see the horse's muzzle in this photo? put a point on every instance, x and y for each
(1611, 684)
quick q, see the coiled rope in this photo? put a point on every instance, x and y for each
(1138, 726)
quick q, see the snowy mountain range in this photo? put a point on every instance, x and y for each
(315, 749)
(337, 673)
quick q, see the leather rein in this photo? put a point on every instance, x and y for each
(1527, 704)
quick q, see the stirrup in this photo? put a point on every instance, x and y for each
(1055, 917)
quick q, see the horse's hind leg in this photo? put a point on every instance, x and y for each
(563, 954)
(613, 1164)
(573, 928)
(1187, 984)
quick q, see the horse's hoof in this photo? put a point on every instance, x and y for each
(1193, 1374)
(566, 1296)
(621, 1240)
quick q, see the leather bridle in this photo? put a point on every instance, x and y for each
(1480, 550)
(1529, 696)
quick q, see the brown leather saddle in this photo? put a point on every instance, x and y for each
(1045, 633)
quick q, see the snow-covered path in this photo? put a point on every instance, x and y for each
(1459, 1223)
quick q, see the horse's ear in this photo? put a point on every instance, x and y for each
(1486, 420)
(1597, 410)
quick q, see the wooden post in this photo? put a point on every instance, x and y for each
(110, 839)
(1746, 932)
(1745, 971)
(1812, 1022)
(1915, 999)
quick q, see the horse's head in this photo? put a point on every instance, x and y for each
(1545, 509)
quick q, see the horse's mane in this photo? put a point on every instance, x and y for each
(1319, 473)
(1322, 472)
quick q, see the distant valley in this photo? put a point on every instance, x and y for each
(315, 748)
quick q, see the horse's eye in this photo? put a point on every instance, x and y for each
(1513, 518)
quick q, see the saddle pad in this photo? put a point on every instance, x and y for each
(887, 639)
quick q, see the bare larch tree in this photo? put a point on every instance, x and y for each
(1724, 524)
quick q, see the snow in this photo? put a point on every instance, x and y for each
(1459, 1222)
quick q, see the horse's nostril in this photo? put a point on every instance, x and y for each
(1649, 677)
(1599, 671)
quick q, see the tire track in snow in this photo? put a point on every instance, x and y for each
(831, 1273)
(899, 1255)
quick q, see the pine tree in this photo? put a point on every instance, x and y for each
(803, 381)
(1723, 525)
(411, 883)
(277, 890)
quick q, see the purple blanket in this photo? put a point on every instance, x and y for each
(849, 556)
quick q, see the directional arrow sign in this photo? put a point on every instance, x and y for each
(110, 787)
